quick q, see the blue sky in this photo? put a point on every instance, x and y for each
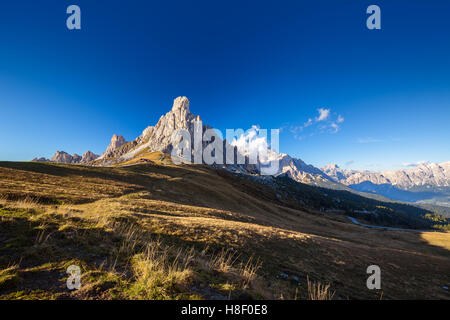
(241, 63)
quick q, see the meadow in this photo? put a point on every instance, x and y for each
(155, 230)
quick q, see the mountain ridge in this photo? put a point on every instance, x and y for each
(436, 174)
(425, 183)
(159, 138)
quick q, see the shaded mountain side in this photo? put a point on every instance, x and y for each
(392, 214)
(442, 210)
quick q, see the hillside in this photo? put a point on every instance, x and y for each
(154, 230)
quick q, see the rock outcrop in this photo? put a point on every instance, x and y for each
(41, 159)
(62, 157)
(180, 117)
(299, 171)
(116, 142)
(88, 156)
(76, 158)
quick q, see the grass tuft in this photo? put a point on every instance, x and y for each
(9, 277)
(319, 291)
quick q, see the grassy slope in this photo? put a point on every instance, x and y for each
(156, 231)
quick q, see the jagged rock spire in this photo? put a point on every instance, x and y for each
(181, 103)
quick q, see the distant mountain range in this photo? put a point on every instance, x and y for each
(64, 157)
(425, 174)
(427, 183)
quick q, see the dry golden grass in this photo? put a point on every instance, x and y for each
(319, 291)
(153, 157)
(158, 274)
(438, 239)
(27, 203)
(9, 277)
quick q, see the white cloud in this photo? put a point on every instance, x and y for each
(367, 140)
(296, 129)
(323, 123)
(308, 123)
(414, 164)
(323, 114)
(252, 143)
(334, 127)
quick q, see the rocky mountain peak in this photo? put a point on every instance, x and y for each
(88, 156)
(159, 137)
(116, 142)
(62, 157)
(179, 117)
(41, 159)
(180, 103)
(76, 158)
